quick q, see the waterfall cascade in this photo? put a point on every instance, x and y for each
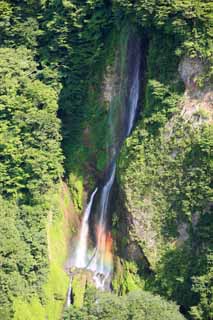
(101, 261)
(81, 257)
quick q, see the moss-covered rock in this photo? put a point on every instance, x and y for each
(76, 190)
(80, 280)
(126, 277)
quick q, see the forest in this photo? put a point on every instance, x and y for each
(57, 57)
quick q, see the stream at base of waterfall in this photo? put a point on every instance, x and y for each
(99, 260)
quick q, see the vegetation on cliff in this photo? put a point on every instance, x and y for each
(51, 65)
(136, 305)
(165, 174)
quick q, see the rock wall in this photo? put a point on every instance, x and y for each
(138, 210)
(164, 183)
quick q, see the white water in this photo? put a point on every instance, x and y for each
(98, 265)
(105, 195)
(101, 263)
(81, 258)
(134, 96)
(103, 271)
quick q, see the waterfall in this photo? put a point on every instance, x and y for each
(101, 262)
(134, 96)
(81, 258)
(68, 303)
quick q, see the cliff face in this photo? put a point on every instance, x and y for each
(162, 198)
(165, 178)
(197, 102)
(138, 190)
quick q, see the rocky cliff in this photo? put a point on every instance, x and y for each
(165, 197)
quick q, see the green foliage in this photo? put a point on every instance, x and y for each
(165, 171)
(48, 46)
(203, 286)
(30, 165)
(76, 189)
(24, 311)
(137, 305)
(13, 253)
(143, 305)
(78, 289)
(47, 301)
(126, 277)
(73, 37)
(75, 314)
(163, 89)
(176, 174)
(30, 150)
(190, 21)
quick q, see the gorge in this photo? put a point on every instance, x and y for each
(101, 263)
(106, 168)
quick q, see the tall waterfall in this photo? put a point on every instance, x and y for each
(101, 261)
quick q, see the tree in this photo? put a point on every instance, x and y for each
(137, 305)
(29, 132)
(203, 287)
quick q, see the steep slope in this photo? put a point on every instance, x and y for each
(165, 173)
(54, 126)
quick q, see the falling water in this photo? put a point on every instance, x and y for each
(134, 96)
(68, 303)
(101, 262)
(81, 258)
